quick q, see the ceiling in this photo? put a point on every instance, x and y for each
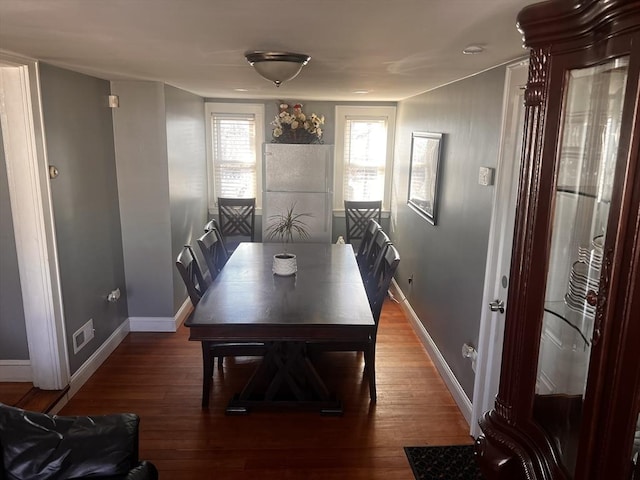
(393, 49)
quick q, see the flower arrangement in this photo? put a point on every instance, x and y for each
(292, 125)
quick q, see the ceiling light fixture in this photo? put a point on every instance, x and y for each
(277, 67)
(473, 50)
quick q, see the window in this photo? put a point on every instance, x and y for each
(364, 153)
(235, 133)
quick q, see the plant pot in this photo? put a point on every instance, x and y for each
(284, 264)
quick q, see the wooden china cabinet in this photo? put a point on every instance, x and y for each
(569, 396)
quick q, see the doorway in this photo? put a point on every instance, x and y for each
(30, 199)
(500, 243)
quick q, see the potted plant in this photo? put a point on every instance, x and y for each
(286, 227)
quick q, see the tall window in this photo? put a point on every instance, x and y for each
(364, 146)
(235, 134)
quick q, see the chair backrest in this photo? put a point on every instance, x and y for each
(213, 251)
(383, 271)
(192, 275)
(211, 224)
(237, 216)
(214, 225)
(365, 244)
(376, 249)
(357, 216)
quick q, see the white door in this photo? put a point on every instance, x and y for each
(27, 173)
(499, 249)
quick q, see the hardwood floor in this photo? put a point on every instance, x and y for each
(159, 377)
(24, 395)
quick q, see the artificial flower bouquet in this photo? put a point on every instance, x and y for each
(292, 125)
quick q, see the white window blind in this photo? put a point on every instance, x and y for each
(234, 155)
(365, 157)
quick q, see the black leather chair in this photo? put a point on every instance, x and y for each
(37, 446)
(357, 216)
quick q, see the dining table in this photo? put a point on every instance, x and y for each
(324, 301)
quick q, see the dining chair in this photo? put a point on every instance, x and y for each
(192, 275)
(384, 271)
(237, 217)
(367, 238)
(372, 254)
(197, 283)
(357, 215)
(213, 251)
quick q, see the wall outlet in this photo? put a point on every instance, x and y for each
(83, 335)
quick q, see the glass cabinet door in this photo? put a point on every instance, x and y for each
(586, 161)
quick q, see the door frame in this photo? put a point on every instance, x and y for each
(30, 197)
(491, 332)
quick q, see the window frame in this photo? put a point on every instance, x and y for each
(215, 108)
(344, 112)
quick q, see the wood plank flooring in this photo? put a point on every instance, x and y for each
(159, 377)
(25, 395)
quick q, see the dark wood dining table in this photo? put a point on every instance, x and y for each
(325, 301)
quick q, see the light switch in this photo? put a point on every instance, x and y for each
(485, 176)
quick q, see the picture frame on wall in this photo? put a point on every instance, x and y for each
(426, 150)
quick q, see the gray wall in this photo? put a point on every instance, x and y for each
(79, 135)
(187, 160)
(143, 182)
(13, 333)
(447, 261)
(162, 177)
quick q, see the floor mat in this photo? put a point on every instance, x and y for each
(451, 462)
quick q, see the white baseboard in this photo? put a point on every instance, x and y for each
(15, 371)
(450, 380)
(183, 312)
(152, 324)
(161, 324)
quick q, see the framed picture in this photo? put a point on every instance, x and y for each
(423, 174)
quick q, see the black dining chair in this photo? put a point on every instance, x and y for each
(381, 277)
(192, 275)
(213, 251)
(197, 283)
(357, 215)
(365, 244)
(372, 254)
(237, 218)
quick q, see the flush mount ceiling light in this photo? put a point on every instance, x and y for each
(473, 49)
(277, 67)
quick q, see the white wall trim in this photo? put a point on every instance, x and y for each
(30, 197)
(450, 380)
(152, 324)
(15, 371)
(161, 324)
(183, 312)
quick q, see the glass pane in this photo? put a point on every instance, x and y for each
(587, 161)
(234, 155)
(365, 159)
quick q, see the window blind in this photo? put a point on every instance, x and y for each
(365, 147)
(234, 155)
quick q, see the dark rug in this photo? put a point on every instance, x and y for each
(452, 462)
